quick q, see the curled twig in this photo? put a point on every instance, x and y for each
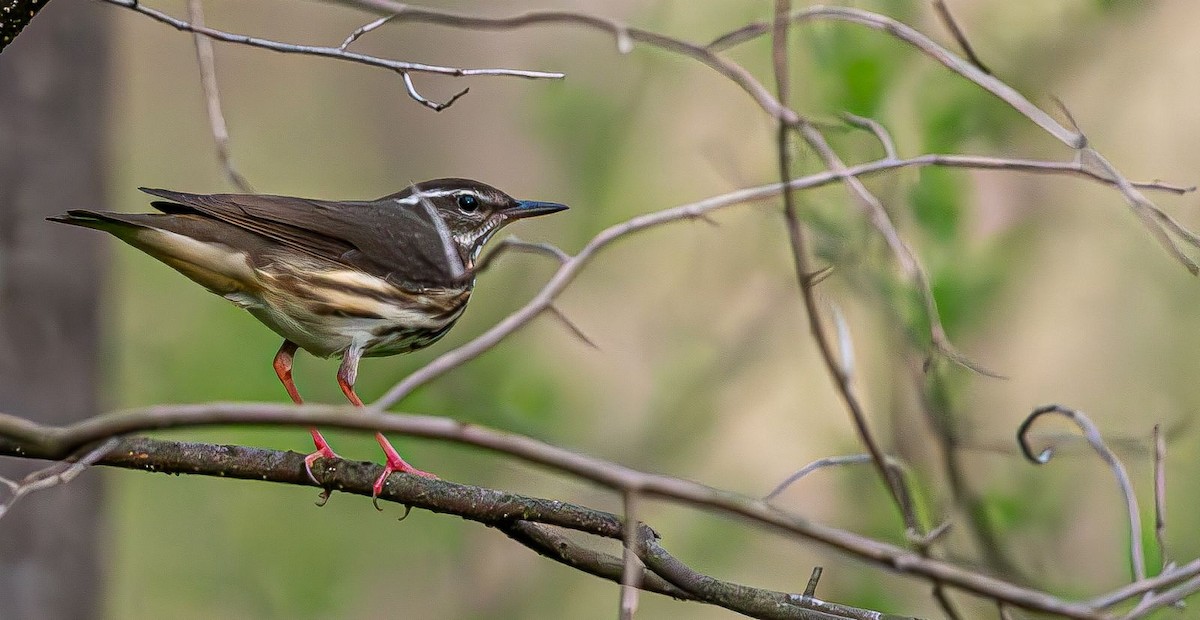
(1137, 558)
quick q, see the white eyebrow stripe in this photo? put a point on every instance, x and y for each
(416, 197)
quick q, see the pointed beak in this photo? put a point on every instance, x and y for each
(531, 208)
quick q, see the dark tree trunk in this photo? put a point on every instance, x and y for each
(52, 96)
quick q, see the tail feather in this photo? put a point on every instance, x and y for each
(210, 253)
(96, 219)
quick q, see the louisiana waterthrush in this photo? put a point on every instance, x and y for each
(347, 278)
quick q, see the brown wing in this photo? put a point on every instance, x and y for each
(384, 238)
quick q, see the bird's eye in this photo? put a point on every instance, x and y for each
(468, 203)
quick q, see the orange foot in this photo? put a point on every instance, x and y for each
(394, 464)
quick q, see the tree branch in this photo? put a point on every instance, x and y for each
(33, 440)
(339, 53)
(522, 518)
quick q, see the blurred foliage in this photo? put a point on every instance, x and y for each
(704, 367)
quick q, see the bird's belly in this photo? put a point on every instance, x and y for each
(386, 330)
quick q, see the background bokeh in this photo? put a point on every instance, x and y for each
(704, 369)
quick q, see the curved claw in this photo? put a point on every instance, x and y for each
(308, 463)
(323, 452)
(388, 469)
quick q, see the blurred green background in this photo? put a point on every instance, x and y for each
(705, 369)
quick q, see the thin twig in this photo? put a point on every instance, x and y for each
(840, 367)
(359, 32)
(875, 127)
(1142, 207)
(57, 474)
(627, 36)
(212, 98)
(429, 103)
(1137, 557)
(571, 326)
(822, 463)
(943, 12)
(810, 590)
(801, 266)
(907, 34)
(1173, 597)
(513, 244)
(1160, 498)
(571, 268)
(631, 575)
(1166, 579)
(1147, 211)
(329, 52)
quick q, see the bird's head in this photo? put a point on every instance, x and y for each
(470, 211)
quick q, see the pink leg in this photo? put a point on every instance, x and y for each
(346, 375)
(283, 368)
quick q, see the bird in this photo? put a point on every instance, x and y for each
(348, 279)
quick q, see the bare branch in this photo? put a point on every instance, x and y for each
(1137, 557)
(1172, 597)
(1072, 138)
(29, 439)
(544, 540)
(1146, 210)
(569, 269)
(359, 32)
(737, 74)
(838, 368)
(419, 98)
(875, 127)
(1163, 580)
(59, 473)
(338, 53)
(513, 244)
(829, 461)
(943, 12)
(810, 590)
(571, 326)
(926, 46)
(631, 574)
(1160, 497)
(212, 98)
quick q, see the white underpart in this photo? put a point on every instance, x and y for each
(476, 238)
(324, 334)
(215, 266)
(359, 279)
(228, 273)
